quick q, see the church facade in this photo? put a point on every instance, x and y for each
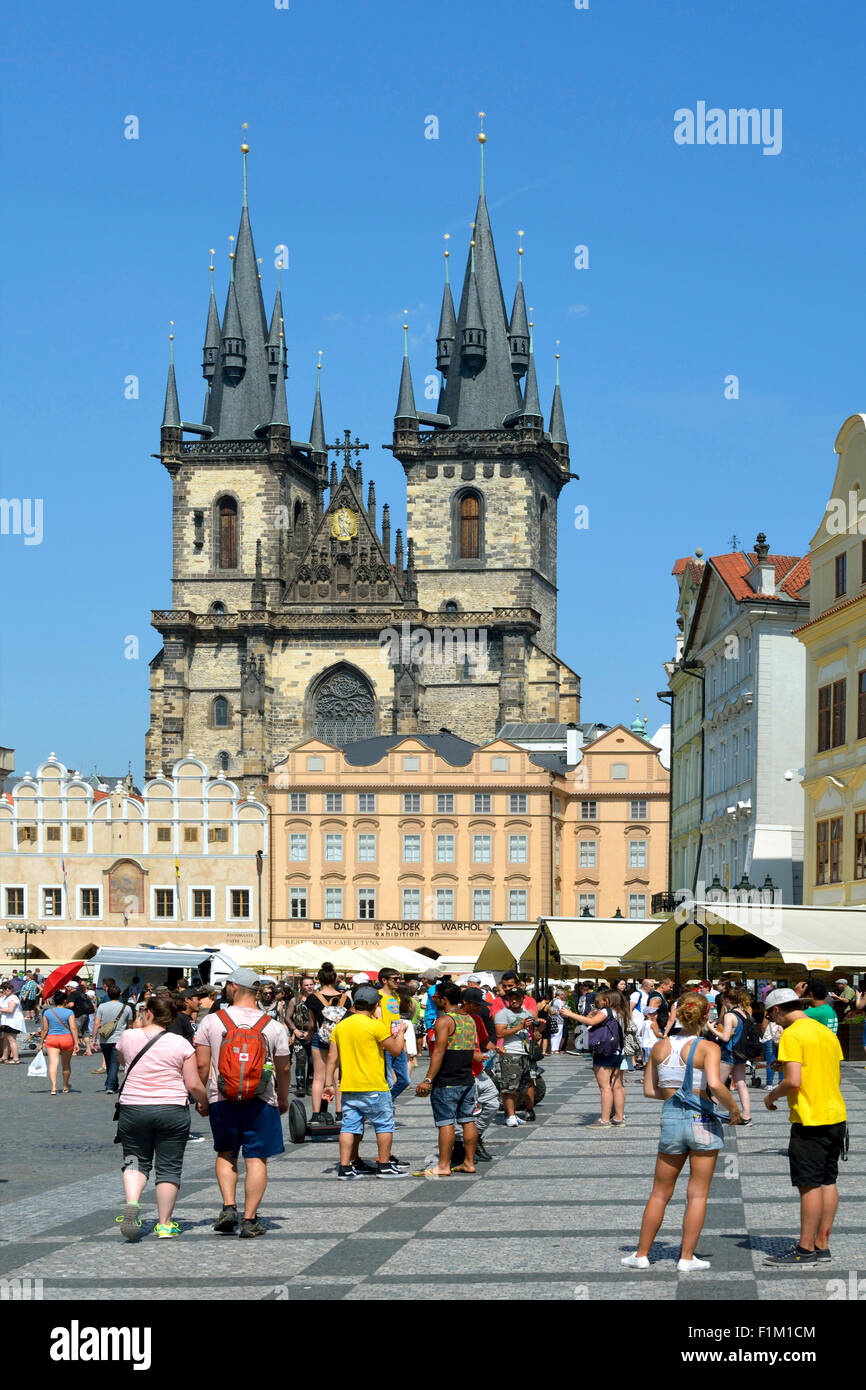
(295, 613)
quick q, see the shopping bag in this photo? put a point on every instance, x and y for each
(38, 1067)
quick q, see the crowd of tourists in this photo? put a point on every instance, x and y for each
(352, 1045)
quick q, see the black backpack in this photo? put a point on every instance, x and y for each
(748, 1046)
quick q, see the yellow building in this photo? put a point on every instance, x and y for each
(615, 836)
(115, 867)
(430, 840)
(835, 642)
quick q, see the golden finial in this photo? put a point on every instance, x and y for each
(245, 149)
(482, 138)
(259, 259)
(520, 243)
(532, 311)
(231, 249)
(319, 363)
(171, 340)
(212, 254)
(447, 237)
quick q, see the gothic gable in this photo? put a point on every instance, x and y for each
(345, 561)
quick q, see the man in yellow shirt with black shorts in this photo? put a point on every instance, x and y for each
(810, 1055)
(359, 1043)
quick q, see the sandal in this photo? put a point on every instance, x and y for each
(431, 1173)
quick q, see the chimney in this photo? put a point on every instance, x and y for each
(762, 576)
(572, 745)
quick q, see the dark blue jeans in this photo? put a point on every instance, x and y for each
(112, 1064)
(396, 1073)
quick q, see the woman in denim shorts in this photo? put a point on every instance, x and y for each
(683, 1071)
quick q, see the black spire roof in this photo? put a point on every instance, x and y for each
(171, 414)
(481, 399)
(317, 428)
(240, 403)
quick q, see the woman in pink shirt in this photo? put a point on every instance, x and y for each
(153, 1113)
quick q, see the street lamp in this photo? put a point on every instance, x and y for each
(768, 891)
(26, 929)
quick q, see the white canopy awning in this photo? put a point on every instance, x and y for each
(594, 945)
(816, 938)
(504, 947)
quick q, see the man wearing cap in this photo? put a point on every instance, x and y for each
(810, 1055)
(843, 997)
(252, 1127)
(359, 1044)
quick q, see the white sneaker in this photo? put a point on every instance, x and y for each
(635, 1261)
(513, 1121)
(690, 1266)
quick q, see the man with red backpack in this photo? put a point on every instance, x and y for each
(241, 1054)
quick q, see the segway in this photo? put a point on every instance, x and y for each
(301, 1125)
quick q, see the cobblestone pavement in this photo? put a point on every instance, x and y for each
(569, 1198)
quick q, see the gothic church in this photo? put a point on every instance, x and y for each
(285, 574)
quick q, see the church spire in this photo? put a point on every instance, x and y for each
(274, 337)
(447, 322)
(280, 411)
(518, 328)
(483, 396)
(317, 428)
(171, 413)
(531, 415)
(406, 416)
(557, 415)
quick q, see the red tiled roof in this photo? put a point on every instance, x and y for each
(733, 568)
(695, 567)
(829, 612)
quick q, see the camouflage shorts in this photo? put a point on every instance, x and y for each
(513, 1071)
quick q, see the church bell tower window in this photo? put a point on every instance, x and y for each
(227, 508)
(470, 526)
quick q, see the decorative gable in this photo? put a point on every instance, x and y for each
(344, 562)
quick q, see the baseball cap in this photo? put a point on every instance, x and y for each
(781, 996)
(431, 974)
(247, 978)
(474, 980)
(841, 981)
(366, 994)
(360, 979)
(472, 996)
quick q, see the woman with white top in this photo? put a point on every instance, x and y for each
(683, 1071)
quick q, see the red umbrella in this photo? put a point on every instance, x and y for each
(59, 977)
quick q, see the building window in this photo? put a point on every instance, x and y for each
(841, 574)
(366, 904)
(470, 526)
(839, 698)
(345, 709)
(619, 771)
(586, 901)
(220, 712)
(190, 834)
(589, 810)
(637, 904)
(411, 849)
(14, 902)
(481, 849)
(861, 704)
(481, 909)
(315, 764)
(637, 810)
(240, 904)
(298, 801)
(298, 848)
(27, 834)
(587, 854)
(828, 860)
(76, 834)
(860, 844)
(334, 903)
(637, 854)
(333, 801)
(412, 803)
(517, 849)
(735, 761)
(227, 509)
(366, 803)
(52, 832)
(444, 904)
(89, 902)
(333, 848)
(297, 902)
(499, 764)
(223, 759)
(444, 849)
(747, 754)
(517, 803)
(163, 902)
(52, 902)
(481, 803)
(411, 904)
(163, 834)
(367, 849)
(831, 715)
(218, 834)
(445, 803)
(517, 905)
(723, 765)
(202, 901)
(412, 764)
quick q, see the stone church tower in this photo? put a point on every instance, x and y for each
(292, 615)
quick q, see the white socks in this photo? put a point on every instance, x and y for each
(635, 1261)
(689, 1266)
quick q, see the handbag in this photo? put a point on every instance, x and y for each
(137, 1058)
(106, 1029)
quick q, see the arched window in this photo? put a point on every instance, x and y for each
(221, 712)
(544, 535)
(224, 761)
(227, 510)
(470, 526)
(218, 608)
(344, 708)
(450, 606)
(296, 514)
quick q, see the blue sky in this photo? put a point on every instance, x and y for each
(705, 261)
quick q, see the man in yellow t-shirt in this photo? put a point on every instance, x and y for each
(358, 1045)
(810, 1055)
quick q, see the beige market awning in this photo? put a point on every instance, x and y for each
(504, 947)
(816, 938)
(593, 945)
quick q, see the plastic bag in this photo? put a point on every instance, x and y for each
(38, 1067)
